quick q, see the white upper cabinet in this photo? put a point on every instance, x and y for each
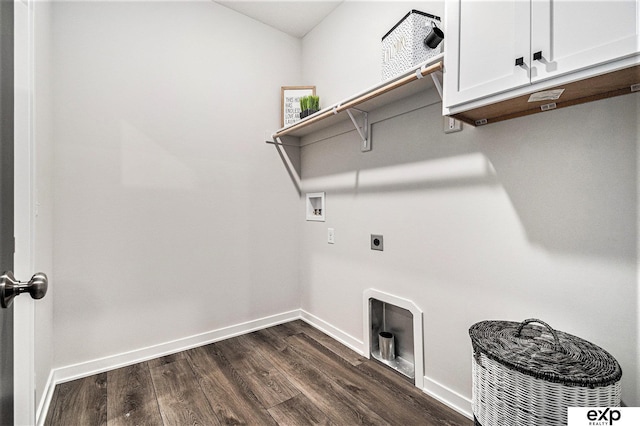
(569, 35)
(483, 41)
(495, 46)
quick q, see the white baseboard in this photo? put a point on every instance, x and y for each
(45, 401)
(89, 368)
(448, 397)
(64, 374)
(342, 337)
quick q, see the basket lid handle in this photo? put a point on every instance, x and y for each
(551, 330)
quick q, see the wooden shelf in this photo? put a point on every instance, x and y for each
(602, 86)
(411, 82)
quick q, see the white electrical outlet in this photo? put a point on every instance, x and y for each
(451, 124)
(331, 236)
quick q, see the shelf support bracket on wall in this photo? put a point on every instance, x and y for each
(436, 82)
(363, 130)
(290, 156)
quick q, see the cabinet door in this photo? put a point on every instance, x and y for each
(484, 40)
(572, 35)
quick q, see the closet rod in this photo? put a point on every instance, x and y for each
(389, 87)
(362, 98)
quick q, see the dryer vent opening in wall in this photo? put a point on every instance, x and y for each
(391, 339)
(394, 334)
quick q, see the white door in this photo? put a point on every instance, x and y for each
(571, 35)
(491, 37)
(24, 225)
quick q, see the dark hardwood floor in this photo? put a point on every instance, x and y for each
(291, 374)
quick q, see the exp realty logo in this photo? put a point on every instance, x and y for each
(603, 416)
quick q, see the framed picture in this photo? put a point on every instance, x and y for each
(290, 102)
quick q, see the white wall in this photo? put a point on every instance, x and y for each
(172, 216)
(533, 217)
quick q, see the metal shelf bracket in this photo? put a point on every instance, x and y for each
(436, 83)
(363, 130)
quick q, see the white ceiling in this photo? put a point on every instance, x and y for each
(294, 17)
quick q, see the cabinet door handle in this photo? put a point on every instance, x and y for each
(537, 56)
(520, 61)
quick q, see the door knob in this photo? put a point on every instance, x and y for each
(10, 287)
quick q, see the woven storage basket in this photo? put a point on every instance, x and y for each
(530, 375)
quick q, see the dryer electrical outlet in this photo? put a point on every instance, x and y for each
(377, 242)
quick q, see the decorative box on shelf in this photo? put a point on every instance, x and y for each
(404, 45)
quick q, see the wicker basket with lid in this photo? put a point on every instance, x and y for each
(529, 375)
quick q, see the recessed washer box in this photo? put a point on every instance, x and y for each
(314, 206)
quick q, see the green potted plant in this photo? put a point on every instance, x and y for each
(309, 105)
